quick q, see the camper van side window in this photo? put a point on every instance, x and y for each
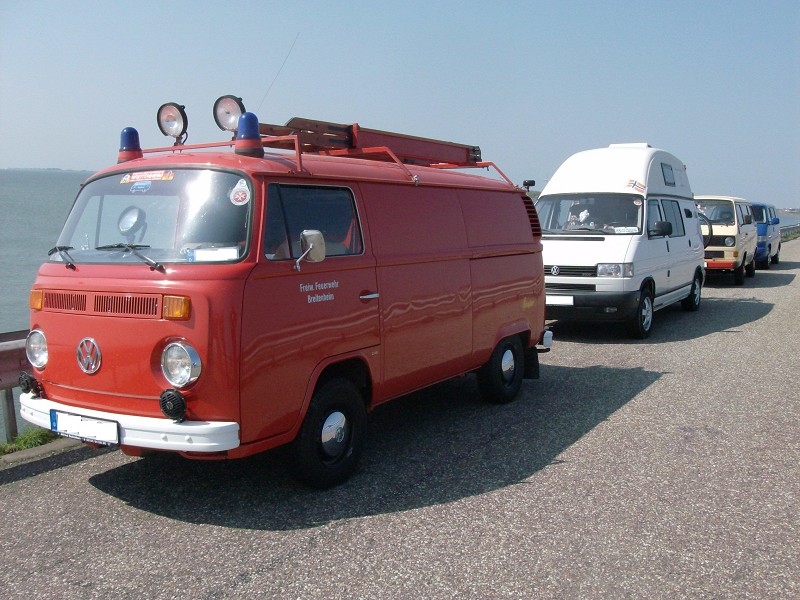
(291, 209)
(653, 214)
(672, 212)
(669, 176)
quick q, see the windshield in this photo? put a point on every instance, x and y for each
(718, 211)
(576, 214)
(164, 216)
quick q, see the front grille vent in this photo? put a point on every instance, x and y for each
(137, 306)
(65, 301)
(571, 271)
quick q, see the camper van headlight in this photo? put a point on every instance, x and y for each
(615, 270)
(36, 349)
(730, 242)
(180, 364)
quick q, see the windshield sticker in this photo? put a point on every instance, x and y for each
(626, 230)
(240, 194)
(639, 187)
(148, 176)
(140, 186)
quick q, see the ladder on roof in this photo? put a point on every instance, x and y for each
(336, 139)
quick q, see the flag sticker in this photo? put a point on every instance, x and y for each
(639, 187)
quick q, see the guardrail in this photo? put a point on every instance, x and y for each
(12, 361)
(790, 232)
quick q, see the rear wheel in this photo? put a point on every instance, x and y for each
(500, 379)
(328, 447)
(692, 301)
(641, 323)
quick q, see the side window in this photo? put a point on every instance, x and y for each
(653, 214)
(740, 212)
(672, 212)
(291, 209)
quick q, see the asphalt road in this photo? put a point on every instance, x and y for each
(658, 469)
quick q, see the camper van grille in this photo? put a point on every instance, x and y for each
(587, 287)
(533, 217)
(139, 306)
(570, 271)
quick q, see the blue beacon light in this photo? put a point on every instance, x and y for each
(248, 138)
(129, 146)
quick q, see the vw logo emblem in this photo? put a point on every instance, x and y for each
(89, 356)
(555, 270)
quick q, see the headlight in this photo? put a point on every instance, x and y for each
(730, 242)
(615, 270)
(180, 364)
(227, 110)
(36, 349)
(172, 120)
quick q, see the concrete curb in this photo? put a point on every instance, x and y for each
(32, 454)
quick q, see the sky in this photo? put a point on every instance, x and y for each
(716, 83)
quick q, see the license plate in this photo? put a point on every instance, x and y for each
(87, 429)
(559, 300)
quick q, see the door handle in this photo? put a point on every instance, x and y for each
(369, 296)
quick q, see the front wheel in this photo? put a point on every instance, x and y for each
(641, 323)
(500, 379)
(692, 301)
(750, 269)
(328, 447)
(777, 258)
(738, 275)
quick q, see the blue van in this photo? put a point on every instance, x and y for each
(768, 248)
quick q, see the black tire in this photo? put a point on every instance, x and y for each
(777, 258)
(500, 379)
(738, 274)
(692, 301)
(640, 325)
(328, 447)
(750, 269)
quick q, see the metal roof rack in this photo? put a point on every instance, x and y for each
(337, 139)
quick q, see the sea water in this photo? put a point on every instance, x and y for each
(33, 206)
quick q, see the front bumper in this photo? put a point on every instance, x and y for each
(143, 432)
(591, 306)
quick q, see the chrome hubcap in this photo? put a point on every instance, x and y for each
(334, 436)
(647, 313)
(507, 366)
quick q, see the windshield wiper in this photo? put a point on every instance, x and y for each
(134, 248)
(62, 252)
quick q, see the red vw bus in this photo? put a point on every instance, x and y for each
(220, 303)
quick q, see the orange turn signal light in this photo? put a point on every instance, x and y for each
(177, 308)
(36, 299)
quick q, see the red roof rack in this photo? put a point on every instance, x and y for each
(323, 137)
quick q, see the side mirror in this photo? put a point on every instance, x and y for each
(776, 221)
(312, 246)
(660, 229)
(748, 219)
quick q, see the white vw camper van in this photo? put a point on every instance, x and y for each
(621, 237)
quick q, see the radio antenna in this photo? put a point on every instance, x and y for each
(279, 72)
